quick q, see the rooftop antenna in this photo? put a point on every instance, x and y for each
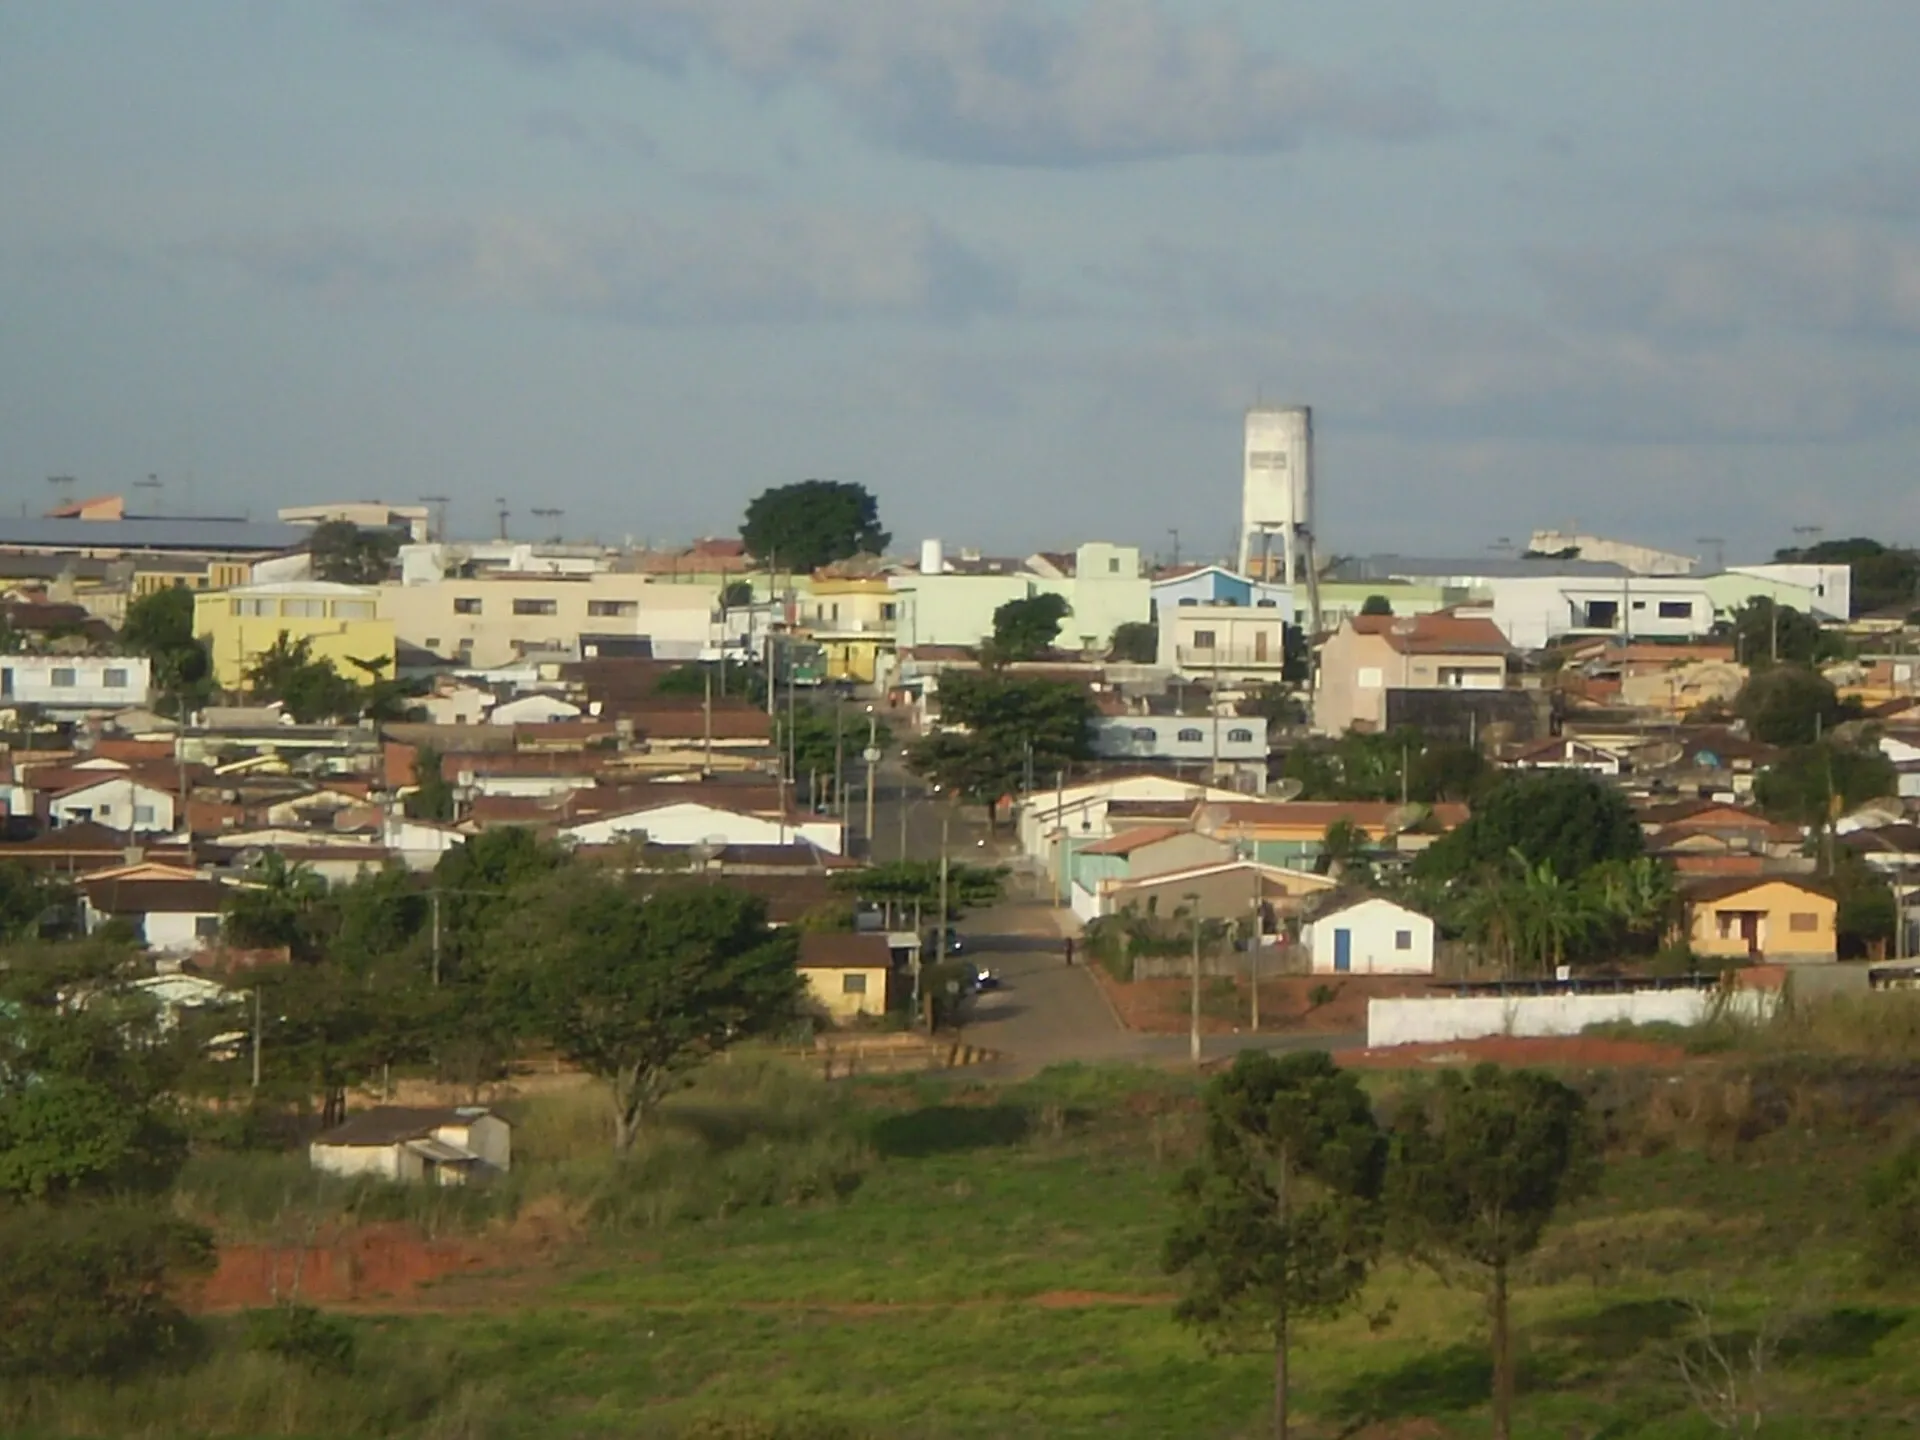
(439, 502)
(1719, 547)
(549, 512)
(154, 486)
(501, 501)
(62, 489)
(1809, 535)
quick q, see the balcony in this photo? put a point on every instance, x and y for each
(1230, 657)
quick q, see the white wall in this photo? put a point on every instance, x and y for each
(29, 680)
(487, 1136)
(381, 1160)
(116, 804)
(693, 824)
(1127, 737)
(1441, 1018)
(176, 934)
(1374, 926)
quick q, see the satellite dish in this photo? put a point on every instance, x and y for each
(1405, 817)
(1660, 754)
(1289, 789)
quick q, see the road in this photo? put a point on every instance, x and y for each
(1047, 1013)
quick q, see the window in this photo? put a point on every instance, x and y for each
(206, 927)
(105, 810)
(433, 642)
(63, 678)
(1191, 736)
(1113, 566)
(1403, 939)
(853, 984)
(611, 608)
(114, 679)
(353, 609)
(1144, 734)
(1676, 609)
(1803, 921)
(466, 605)
(303, 609)
(142, 814)
(536, 607)
(889, 612)
(252, 609)
(1368, 677)
(1240, 737)
(1203, 639)
(1267, 604)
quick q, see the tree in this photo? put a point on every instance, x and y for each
(1804, 784)
(1555, 817)
(1637, 898)
(1480, 1165)
(736, 594)
(915, 884)
(484, 881)
(690, 682)
(1866, 914)
(1026, 629)
(819, 735)
(1790, 705)
(432, 797)
(1764, 632)
(160, 627)
(345, 554)
(1278, 1220)
(312, 690)
(638, 989)
(1343, 846)
(1137, 642)
(277, 908)
(1376, 605)
(1009, 727)
(802, 527)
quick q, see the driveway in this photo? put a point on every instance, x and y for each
(1047, 1013)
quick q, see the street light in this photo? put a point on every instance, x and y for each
(1193, 907)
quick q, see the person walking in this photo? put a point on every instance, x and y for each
(1069, 950)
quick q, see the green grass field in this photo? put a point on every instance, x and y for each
(985, 1263)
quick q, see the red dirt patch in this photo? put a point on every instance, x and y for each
(1569, 1052)
(1090, 1299)
(1162, 1007)
(376, 1262)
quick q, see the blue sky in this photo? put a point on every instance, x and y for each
(1652, 268)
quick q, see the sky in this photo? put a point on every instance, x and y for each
(1649, 268)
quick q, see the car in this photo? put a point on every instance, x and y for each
(956, 943)
(985, 979)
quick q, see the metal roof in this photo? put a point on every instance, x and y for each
(163, 533)
(1420, 567)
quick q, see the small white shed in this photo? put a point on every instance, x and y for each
(1371, 936)
(417, 1146)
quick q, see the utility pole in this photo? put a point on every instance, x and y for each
(706, 726)
(436, 936)
(941, 940)
(839, 762)
(873, 759)
(256, 1034)
(1060, 822)
(1193, 902)
(501, 501)
(1253, 951)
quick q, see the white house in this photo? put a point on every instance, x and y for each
(419, 844)
(76, 682)
(116, 801)
(1236, 741)
(175, 911)
(417, 1146)
(689, 822)
(535, 709)
(458, 704)
(1370, 937)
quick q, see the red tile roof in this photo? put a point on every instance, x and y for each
(1441, 633)
(1128, 841)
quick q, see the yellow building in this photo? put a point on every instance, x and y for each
(340, 622)
(1761, 917)
(853, 621)
(847, 975)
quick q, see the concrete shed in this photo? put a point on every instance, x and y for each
(412, 1145)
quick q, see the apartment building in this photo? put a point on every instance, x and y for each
(495, 618)
(951, 602)
(853, 622)
(341, 623)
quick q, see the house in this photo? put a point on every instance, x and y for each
(852, 620)
(340, 624)
(1293, 832)
(1370, 935)
(847, 974)
(116, 800)
(1229, 890)
(1563, 752)
(1222, 745)
(454, 1146)
(75, 684)
(668, 821)
(1370, 655)
(534, 709)
(1761, 917)
(174, 911)
(951, 602)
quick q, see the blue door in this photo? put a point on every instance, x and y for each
(1342, 950)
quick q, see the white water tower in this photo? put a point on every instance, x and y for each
(1276, 496)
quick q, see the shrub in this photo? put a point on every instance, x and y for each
(1893, 1204)
(301, 1334)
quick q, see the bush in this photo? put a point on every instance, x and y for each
(1893, 1205)
(301, 1334)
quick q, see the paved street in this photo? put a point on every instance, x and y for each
(1045, 1013)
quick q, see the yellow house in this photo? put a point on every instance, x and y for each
(1761, 917)
(340, 623)
(847, 975)
(853, 621)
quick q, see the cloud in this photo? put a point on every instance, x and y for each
(1011, 82)
(1872, 190)
(732, 267)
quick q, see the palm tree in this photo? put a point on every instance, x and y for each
(1558, 913)
(1639, 895)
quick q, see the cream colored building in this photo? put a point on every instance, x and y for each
(341, 623)
(1372, 654)
(501, 617)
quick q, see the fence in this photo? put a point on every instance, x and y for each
(1442, 1018)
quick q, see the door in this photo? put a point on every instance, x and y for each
(1342, 951)
(1260, 647)
(1750, 932)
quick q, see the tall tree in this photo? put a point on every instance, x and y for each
(639, 989)
(1569, 821)
(998, 729)
(813, 523)
(1026, 629)
(1481, 1163)
(1376, 605)
(311, 689)
(1278, 1221)
(1805, 783)
(347, 554)
(432, 797)
(1137, 642)
(160, 627)
(910, 883)
(1764, 632)
(278, 906)
(1790, 705)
